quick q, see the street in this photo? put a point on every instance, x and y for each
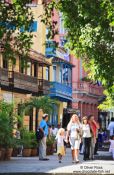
(32, 165)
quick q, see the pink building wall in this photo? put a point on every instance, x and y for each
(85, 95)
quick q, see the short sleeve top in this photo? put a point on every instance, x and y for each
(44, 125)
(72, 128)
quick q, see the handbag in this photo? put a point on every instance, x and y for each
(39, 134)
(78, 134)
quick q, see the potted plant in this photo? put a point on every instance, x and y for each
(34, 144)
(50, 145)
(26, 142)
(6, 130)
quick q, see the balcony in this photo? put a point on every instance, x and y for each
(24, 83)
(60, 91)
(43, 86)
(87, 88)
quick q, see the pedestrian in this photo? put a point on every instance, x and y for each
(111, 127)
(93, 128)
(54, 130)
(60, 143)
(97, 144)
(42, 143)
(86, 138)
(111, 149)
(49, 131)
(74, 131)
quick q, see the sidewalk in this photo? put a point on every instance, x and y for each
(32, 165)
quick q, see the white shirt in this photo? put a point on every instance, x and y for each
(54, 131)
(111, 145)
(60, 140)
(111, 128)
(86, 131)
(72, 128)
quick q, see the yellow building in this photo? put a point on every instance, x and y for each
(18, 83)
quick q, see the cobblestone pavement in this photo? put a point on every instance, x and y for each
(32, 165)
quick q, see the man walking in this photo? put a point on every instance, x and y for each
(42, 144)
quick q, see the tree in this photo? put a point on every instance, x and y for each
(108, 103)
(44, 102)
(15, 21)
(90, 36)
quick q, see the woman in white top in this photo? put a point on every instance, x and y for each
(111, 149)
(86, 138)
(74, 134)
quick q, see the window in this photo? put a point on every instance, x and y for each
(35, 69)
(5, 63)
(62, 41)
(60, 76)
(54, 73)
(61, 29)
(29, 69)
(21, 65)
(65, 74)
(32, 27)
(47, 73)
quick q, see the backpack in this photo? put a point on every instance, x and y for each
(39, 134)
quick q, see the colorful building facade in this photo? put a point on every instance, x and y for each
(19, 83)
(86, 94)
(61, 73)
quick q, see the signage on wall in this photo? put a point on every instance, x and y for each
(72, 111)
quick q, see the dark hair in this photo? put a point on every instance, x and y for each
(45, 116)
(90, 116)
(112, 137)
(112, 119)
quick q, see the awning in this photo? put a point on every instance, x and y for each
(34, 55)
(60, 60)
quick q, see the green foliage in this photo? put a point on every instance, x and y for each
(34, 143)
(88, 24)
(7, 120)
(50, 141)
(26, 138)
(14, 16)
(45, 103)
(108, 103)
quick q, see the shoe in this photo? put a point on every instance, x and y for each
(77, 161)
(91, 158)
(59, 161)
(96, 154)
(73, 161)
(84, 159)
(87, 158)
(44, 159)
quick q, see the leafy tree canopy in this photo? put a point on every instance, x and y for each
(90, 35)
(15, 16)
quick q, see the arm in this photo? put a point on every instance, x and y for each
(96, 124)
(42, 126)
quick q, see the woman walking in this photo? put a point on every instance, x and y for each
(93, 127)
(74, 129)
(86, 138)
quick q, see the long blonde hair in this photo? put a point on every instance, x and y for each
(70, 122)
